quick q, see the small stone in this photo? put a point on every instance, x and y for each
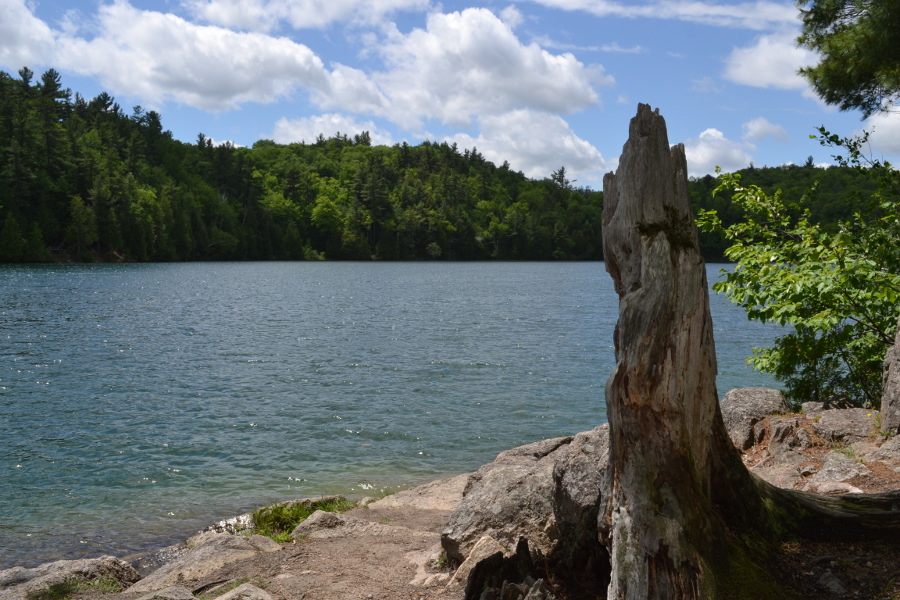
(832, 584)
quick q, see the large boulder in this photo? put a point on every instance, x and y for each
(207, 553)
(547, 493)
(20, 583)
(507, 499)
(743, 408)
(890, 401)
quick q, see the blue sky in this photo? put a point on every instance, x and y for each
(539, 83)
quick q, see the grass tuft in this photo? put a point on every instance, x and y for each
(76, 585)
(279, 520)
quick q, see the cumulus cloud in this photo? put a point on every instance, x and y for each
(307, 129)
(160, 56)
(536, 143)
(761, 128)
(772, 62)
(751, 15)
(511, 16)
(471, 63)
(266, 15)
(24, 39)
(712, 149)
(884, 135)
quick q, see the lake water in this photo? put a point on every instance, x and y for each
(142, 402)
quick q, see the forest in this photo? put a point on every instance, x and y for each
(82, 180)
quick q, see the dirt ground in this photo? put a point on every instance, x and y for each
(393, 563)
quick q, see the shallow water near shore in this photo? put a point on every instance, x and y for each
(142, 402)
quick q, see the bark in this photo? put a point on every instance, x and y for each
(684, 518)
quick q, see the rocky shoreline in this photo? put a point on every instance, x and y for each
(428, 542)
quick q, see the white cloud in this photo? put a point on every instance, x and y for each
(536, 143)
(761, 128)
(705, 85)
(307, 129)
(471, 63)
(160, 56)
(712, 149)
(511, 16)
(884, 136)
(24, 39)
(616, 48)
(772, 62)
(751, 15)
(266, 15)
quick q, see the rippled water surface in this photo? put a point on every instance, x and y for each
(140, 402)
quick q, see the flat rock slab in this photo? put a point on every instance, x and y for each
(846, 425)
(247, 591)
(443, 494)
(207, 553)
(174, 592)
(323, 525)
(20, 583)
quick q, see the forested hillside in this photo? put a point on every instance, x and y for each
(82, 180)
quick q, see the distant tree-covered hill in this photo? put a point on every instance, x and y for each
(82, 180)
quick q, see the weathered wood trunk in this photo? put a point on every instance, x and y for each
(683, 517)
(667, 438)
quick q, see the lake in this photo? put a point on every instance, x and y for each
(141, 402)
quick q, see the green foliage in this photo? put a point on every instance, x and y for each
(857, 41)
(89, 182)
(837, 290)
(279, 520)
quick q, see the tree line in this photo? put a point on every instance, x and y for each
(82, 180)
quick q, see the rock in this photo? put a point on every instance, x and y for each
(318, 521)
(247, 591)
(744, 408)
(890, 399)
(890, 450)
(836, 487)
(233, 525)
(507, 499)
(832, 584)
(837, 468)
(547, 493)
(784, 472)
(864, 449)
(207, 552)
(811, 408)
(782, 436)
(507, 578)
(578, 477)
(846, 424)
(175, 592)
(443, 494)
(324, 525)
(485, 547)
(20, 583)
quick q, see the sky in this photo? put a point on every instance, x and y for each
(541, 84)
